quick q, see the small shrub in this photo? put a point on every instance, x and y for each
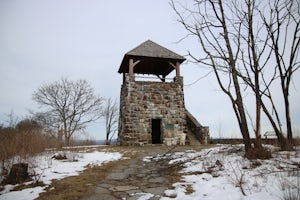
(18, 143)
(290, 185)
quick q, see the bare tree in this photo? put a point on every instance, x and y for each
(239, 39)
(283, 27)
(12, 119)
(48, 121)
(254, 55)
(69, 104)
(273, 19)
(220, 38)
(111, 115)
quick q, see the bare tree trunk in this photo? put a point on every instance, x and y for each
(258, 143)
(60, 140)
(239, 100)
(242, 116)
(288, 120)
(111, 119)
(107, 140)
(256, 68)
(281, 139)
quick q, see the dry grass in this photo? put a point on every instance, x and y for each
(20, 143)
(174, 176)
(75, 187)
(189, 189)
(25, 186)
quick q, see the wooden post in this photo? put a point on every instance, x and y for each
(124, 78)
(131, 67)
(176, 67)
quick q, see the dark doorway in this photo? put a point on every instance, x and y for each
(156, 131)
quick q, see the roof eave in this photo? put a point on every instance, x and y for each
(125, 61)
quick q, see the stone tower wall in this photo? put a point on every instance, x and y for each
(141, 102)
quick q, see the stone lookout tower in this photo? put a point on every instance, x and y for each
(153, 112)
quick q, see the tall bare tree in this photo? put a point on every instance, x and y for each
(239, 39)
(220, 39)
(282, 24)
(275, 21)
(111, 115)
(253, 55)
(69, 104)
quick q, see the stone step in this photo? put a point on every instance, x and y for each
(191, 138)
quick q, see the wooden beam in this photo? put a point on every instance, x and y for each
(172, 65)
(163, 78)
(176, 67)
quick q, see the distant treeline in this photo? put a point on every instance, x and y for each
(272, 141)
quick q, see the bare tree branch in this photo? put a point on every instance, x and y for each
(69, 104)
(111, 115)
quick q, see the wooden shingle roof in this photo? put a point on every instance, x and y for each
(154, 59)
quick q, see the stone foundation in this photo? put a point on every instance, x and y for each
(142, 102)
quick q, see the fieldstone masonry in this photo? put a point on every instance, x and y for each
(142, 101)
(154, 112)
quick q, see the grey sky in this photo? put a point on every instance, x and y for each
(42, 41)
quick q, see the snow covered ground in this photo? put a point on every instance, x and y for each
(223, 173)
(47, 169)
(219, 172)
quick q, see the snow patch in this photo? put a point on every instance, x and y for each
(223, 172)
(47, 169)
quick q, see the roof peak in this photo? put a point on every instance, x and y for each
(154, 50)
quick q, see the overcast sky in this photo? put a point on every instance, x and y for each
(44, 40)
